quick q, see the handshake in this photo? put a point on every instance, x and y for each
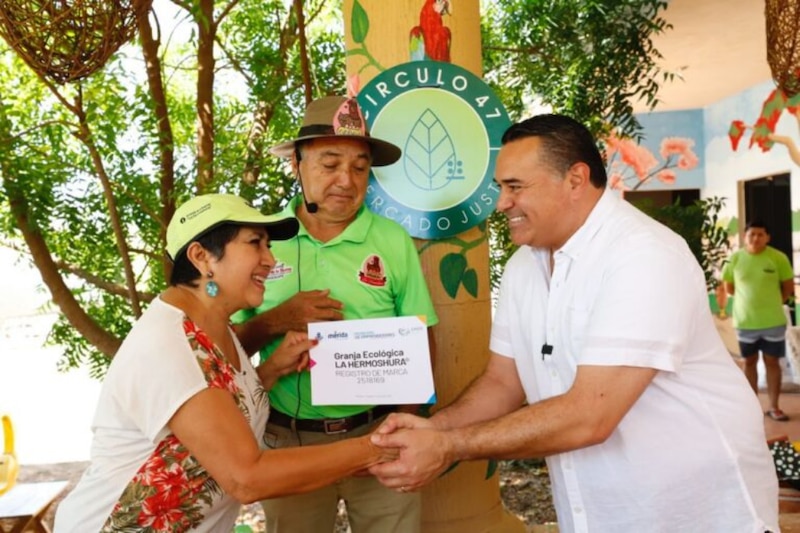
(415, 451)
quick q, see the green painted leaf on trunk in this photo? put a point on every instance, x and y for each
(451, 268)
(491, 468)
(470, 281)
(359, 22)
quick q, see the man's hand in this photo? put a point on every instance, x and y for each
(424, 452)
(292, 315)
(399, 420)
(304, 307)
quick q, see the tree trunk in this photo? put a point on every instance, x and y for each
(462, 499)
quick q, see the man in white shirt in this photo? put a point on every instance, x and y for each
(604, 359)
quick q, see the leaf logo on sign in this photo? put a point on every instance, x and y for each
(429, 155)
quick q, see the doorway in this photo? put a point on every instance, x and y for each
(769, 199)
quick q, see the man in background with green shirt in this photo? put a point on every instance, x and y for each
(345, 263)
(761, 278)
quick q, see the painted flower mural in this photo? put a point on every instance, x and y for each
(630, 165)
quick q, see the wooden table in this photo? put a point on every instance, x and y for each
(25, 505)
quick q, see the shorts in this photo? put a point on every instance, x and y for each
(769, 341)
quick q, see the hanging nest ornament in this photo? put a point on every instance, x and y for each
(67, 40)
(783, 44)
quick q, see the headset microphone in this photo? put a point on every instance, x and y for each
(311, 207)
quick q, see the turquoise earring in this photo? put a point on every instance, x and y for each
(212, 289)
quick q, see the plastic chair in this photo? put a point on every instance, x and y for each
(9, 467)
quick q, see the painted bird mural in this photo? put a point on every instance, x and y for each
(431, 39)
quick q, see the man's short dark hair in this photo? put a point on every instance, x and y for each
(757, 223)
(565, 142)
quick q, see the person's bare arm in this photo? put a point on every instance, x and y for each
(585, 415)
(787, 289)
(496, 392)
(292, 315)
(728, 287)
(214, 431)
(499, 381)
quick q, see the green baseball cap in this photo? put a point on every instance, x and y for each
(207, 211)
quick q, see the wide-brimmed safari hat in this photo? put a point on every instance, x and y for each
(337, 116)
(207, 211)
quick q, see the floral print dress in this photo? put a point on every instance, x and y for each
(169, 490)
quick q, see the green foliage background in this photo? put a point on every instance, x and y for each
(77, 159)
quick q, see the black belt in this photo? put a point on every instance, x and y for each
(331, 426)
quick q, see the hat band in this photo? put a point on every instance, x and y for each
(320, 129)
(315, 129)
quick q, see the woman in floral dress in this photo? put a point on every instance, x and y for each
(174, 445)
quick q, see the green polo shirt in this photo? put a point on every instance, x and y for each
(372, 267)
(756, 278)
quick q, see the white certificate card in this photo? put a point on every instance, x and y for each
(374, 361)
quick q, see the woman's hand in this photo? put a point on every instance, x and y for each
(291, 355)
(379, 454)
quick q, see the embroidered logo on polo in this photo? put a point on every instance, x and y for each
(372, 271)
(280, 271)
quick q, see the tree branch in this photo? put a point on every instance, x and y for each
(51, 276)
(166, 140)
(301, 32)
(85, 136)
(788, 142)
(112, 288)
(206, 28)
(266, 109)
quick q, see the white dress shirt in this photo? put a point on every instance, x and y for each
(690, 455)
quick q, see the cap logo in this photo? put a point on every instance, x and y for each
(348, 119)
(197, 212)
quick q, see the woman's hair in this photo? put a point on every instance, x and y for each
(214, 240)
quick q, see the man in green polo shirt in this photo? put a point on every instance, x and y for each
(345, 263)
(762, 279)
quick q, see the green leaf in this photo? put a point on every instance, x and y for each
(359, 23)
(451, 269)
(491, 467)
(470, 281)
(449, 468)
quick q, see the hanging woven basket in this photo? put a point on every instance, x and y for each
(783, 43)
(67, 40)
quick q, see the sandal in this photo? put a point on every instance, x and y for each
(777, 414)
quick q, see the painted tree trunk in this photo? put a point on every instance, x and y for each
(380, 35)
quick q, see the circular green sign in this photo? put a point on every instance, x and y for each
(448, 123)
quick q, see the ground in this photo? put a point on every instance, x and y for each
(524, 487)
